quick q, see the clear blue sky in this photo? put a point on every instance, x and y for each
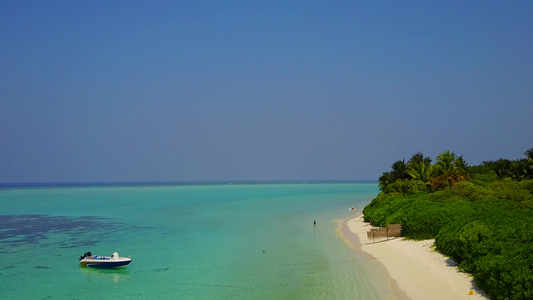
(258, 90)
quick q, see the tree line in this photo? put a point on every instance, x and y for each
(481, 216)
(420, 175)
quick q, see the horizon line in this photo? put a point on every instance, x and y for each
(179, 182)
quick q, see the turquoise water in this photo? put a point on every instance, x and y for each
(186, 242)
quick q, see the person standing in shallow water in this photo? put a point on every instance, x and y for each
(314, 222)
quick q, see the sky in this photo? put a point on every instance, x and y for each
(124, 91)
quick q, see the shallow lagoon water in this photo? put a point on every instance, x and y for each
(253, 241)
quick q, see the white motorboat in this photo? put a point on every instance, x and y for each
(95, 261)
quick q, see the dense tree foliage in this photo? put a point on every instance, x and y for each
(482, 216)
(448, 170)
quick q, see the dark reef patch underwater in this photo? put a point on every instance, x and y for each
(20, 230)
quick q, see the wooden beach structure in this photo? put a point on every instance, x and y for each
(391, 230)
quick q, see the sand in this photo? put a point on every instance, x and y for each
(419, 271)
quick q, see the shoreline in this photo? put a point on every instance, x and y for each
(416, 270)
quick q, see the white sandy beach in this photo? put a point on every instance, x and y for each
(418, 270)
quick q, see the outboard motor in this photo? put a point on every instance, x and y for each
(87, 254)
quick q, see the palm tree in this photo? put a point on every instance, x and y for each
(529, 167)
(449, 169)
(502, 167)
(461, 163)
(420, 171)
(399, 170)
(418, 158)
(419, 167)
(386, 179)
(529, 153)
(521, 169)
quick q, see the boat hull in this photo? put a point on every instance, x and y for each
(104, 262)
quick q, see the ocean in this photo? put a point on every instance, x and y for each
(216, 241)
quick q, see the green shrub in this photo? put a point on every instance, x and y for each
(481, 175)
(514, 191)
(422, 219)
(407, 187)
(527, 185)
(446, 239)
(446, 196)
(466, 189)
(377, 214)
(469, 236)
(505, 276)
